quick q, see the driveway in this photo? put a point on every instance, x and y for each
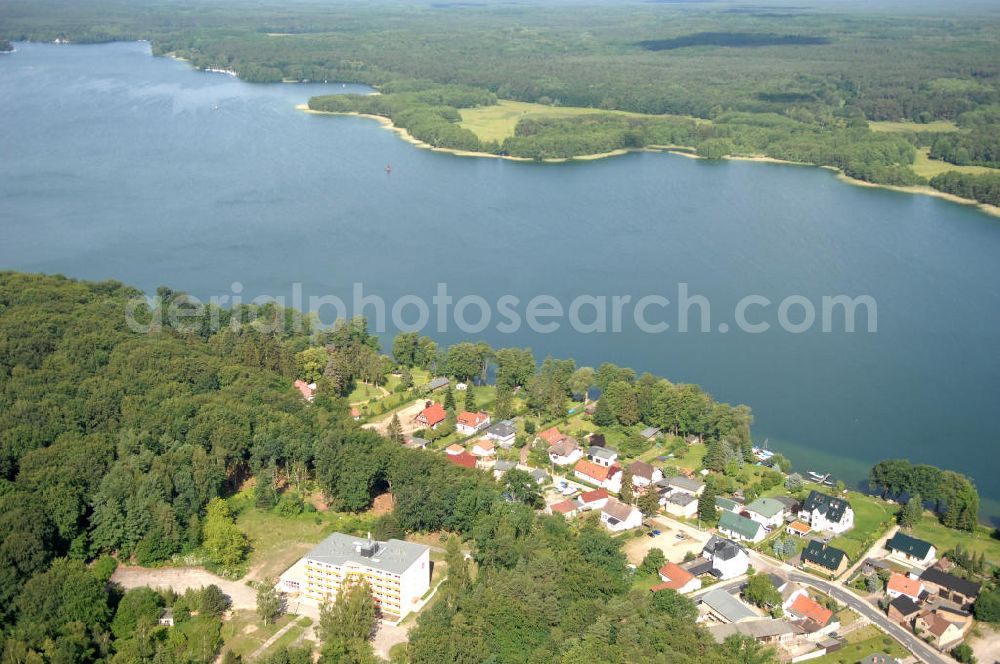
(180, 579)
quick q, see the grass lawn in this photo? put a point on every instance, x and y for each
(860, 644)
(869, 515)
(937, 125)
(289, 638)
(244, 633)
(363, 392)
(944, 539)
(278, 541)
(497, 122)
(928, 168)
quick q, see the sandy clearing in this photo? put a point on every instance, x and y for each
(180, 579)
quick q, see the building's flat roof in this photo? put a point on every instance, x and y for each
(727, 606)
(394, 556)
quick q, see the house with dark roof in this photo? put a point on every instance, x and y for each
(950, 587)
(824, 512)
(437, 383)
(903, 610)
(728, 558)
(824, 558)
(911, 551)
(686, 484)
(503, 433)
(681, 504)
(727, 504)
(740, 528)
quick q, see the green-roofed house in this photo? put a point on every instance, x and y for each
(740, 528)
(911, 551)
(824, 558)
(768, 512)
(727, 504)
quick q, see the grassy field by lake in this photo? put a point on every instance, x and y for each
(871, 517)
(928, 168)
(889, 126)
(497, 122)
(944, 539)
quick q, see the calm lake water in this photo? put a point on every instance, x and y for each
(119, 165)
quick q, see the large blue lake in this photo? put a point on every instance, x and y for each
(119, 165)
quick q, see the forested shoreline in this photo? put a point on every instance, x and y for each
(796, 86)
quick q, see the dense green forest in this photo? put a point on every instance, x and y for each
(114, 442)
(984, 187)
(791, 82)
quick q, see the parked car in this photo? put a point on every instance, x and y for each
(654, 533)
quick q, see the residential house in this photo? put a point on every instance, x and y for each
(602, 456)
(593, 500)
(565, 452)
(551, 436)
(644, 474)
(619, 517)
(680, 504)
(539, 475)
(355, 414)
(814, 619)
(503, 433)
(471, 423)
(827, 513)
(437, 383)
(398, 572)
(721, 607)
(903, 610)
(677, 578)
(685, 484)
(901, 584)
(649, 433)
(911, 551)
(415, 443)
(935, 626)
(798, 528)
(608, 477)
(464, 459)
(484, 448)
(454, 449)
(791, 591)
(501, 467)
(727, 505)
(166, 617)
(768, 512)
(728, 558)
(431, 416)
(763, 630)
(740, 528)
(824, 558)
(568, 508)
(307, 390)
(950, 587)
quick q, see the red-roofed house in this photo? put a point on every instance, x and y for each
(568, 508)
(609, 477)
(469, 423)
(813, 617)
(308, 390)
(901, 584)
(355, 413)
(551, 436)
(454, 449)
(484, 448)
(594, 500)
(432, 415)
(464, 459)
(677, 578)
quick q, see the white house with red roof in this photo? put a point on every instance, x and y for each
(471, 423)
(568, 508)
(901, 584)
(609, 478)
(484, 448)
(307, 390)
(677, 578)
(454, 449)
(551, 436)
(593, 500)
(431, 416)
(355, 413)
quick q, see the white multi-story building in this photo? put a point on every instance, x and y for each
(398, 572)
(827, 513)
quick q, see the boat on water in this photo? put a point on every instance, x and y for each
(388, 168)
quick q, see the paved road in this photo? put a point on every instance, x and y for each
(912, 642)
